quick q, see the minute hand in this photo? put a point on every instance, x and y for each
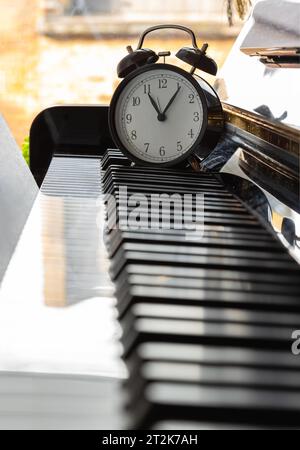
(154, 104)
(160, 116)
(171, 101)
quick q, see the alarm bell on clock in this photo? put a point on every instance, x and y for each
(161, 114)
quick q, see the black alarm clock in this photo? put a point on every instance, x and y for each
(161, 114)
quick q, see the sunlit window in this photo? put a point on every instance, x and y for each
(66, 51)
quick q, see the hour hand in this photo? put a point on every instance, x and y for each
(160, 116)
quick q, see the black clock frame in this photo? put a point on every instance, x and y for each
(212, 109)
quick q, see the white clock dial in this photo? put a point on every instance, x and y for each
(159, 115)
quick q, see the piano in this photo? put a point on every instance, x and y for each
(193, 334)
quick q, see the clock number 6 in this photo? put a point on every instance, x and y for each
(162, 151)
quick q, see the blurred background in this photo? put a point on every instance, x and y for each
(66, 51)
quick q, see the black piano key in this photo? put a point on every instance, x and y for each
(198, 319)
(214, 356)
(189, 216)
(200, 257)
(149, 329)
(291, 280)
(193, 249)
(180, 401)
(226, 217)
(125, 281)
(282, 362)
(206, 426)
(209, 220)
(114, 157)
(161, 172)
(182, 248)
(133, 188)
(117, 173)
(221, 231)
(208, 333)
(210, 297)
(207, 314)
(187, 207)
(146, 180)
(210, 204)
(225, 240)
(193, 373)
(150, 176)
(112, 180)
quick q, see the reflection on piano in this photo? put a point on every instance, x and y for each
(206, 325)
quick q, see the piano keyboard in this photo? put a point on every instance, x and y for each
(206, 323)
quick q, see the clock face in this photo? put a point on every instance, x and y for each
(158, 114)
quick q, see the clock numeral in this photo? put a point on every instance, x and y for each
(147, 89)
(196, 116)
(128, 118)
(146, 144)
(191, 98)
(191, 133)
(133, 135)
(136, 101)
(162, 83)
(162, 151)
(178, 85)
(179, 146)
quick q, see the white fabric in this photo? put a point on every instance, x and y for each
(17, 193)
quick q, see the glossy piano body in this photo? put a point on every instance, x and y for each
(260, 89)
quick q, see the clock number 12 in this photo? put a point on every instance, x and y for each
(162, 84)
